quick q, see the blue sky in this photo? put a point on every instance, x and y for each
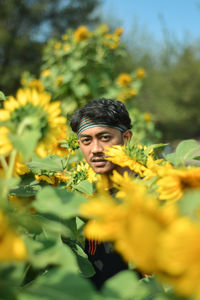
(181, 17)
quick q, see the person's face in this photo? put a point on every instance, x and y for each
(93, 142)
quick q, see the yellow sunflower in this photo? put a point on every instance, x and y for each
(140, 73)
(29, 103)
(117, 155)
(119, 31)
(12, 248)
(56, 146)
(134, 222)
(81, 34)
(124, 79)
(173, 182)
(179, 257)
(84, 168)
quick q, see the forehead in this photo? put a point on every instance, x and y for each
(98, 130)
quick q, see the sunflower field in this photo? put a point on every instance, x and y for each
(48, 191)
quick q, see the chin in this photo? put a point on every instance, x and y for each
(103, 170)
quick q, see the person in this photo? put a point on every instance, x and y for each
(99, 124)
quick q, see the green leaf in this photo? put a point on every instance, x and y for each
(48, 250)
(189, 205)
(57, 284)
(84, 264)
(85, 187)
(185, 151)
(47, 165)
(2, 96)
(196, 157)
(58, 202)
(26, 190)
(125, 285)
(11, 276)
(154, 146)
(26, 142)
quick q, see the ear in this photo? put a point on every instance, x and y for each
(127, 135)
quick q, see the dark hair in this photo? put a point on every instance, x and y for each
(106, 111)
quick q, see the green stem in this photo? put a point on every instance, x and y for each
(10, 167)
(67, 161)
(4, 163)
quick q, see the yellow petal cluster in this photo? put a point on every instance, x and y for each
(45, 72)
(81, 34)
(179, 257)
(147, 117)
(173, 182)
(12, 248)
(124, 79)
(56, 146)
(119, 31)
(127, 94)
(102, 29)
(84, 166)
(117, 155)
(140, 73)
(41, 100)
(134, 223)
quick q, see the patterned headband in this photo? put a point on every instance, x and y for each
(87, 123)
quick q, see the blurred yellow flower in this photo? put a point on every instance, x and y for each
(147, 117)
(22, 203)
(65, 37)
(66, 47)
(12, 248)
(119, 31)
(5, 145)
(36, 84)
(179, 257)
(20, 168)
(46, 72)
(56, 146)
(57, 46)
(30, 103)
(102, 29)
(108, 36)
(127, 94)
(134, 222)
(173, 182)
(124, 79)
(111, 41)
(114, 45)
(82, 33)
(59, 80)
(140, 73)
(106, 214)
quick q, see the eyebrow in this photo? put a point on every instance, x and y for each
(98, 134)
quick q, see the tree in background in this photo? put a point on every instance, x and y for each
(26, 25)
(80, 66)
(170, 91)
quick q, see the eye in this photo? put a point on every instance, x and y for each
(105, 138)
(85, 141)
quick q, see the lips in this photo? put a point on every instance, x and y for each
(98, 162)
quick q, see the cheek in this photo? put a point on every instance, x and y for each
(117, 141)
(85, 151)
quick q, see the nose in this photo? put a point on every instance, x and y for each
(97, 147)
